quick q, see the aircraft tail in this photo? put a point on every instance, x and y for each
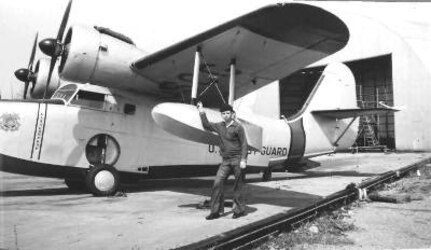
(334, 95)
(330, 110)
(335, 90)
(333, 105)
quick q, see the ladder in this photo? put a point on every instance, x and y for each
(367, 126)
(370, 138)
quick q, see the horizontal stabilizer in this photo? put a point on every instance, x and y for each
(347, 113)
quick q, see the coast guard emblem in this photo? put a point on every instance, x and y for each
(9, 122)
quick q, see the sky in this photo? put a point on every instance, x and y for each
(152, 25)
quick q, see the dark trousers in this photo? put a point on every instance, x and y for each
(217, 194)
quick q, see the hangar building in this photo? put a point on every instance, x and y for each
(389, 54)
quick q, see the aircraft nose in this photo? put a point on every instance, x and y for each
(17, 128)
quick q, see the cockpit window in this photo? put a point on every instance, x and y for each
(89, 99)
(65, 93)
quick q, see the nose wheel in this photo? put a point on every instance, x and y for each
(102, 180)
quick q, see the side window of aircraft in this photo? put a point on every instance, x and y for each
(89, 99)
(129, 109)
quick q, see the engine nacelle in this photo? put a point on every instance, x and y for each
(98, 58)
(37, 88)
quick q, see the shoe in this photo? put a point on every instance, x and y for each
(221, 211)
(237, 215)
(212, 216)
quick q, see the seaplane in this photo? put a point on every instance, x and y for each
(120, 114)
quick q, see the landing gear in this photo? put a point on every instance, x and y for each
(102, 180)
(267, 174)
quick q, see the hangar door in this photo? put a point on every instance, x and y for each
(374, 85)
(373, 78)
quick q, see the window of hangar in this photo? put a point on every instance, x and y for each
(373, 78)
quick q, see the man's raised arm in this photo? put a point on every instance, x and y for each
(205, 123)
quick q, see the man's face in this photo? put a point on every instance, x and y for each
(227, 116)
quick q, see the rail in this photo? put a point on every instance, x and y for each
(244, 237)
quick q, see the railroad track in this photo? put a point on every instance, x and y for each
(247, 236)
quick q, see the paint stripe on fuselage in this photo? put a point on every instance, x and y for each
(297, 142)
(35, 129)
(39, 131)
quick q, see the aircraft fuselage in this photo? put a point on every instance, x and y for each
(61, 138)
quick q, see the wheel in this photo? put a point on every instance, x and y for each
(102, 180)
(267, 174)
(76, 185)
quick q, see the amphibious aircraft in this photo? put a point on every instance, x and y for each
(115, 119)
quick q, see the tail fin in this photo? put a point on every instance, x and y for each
(335, 89)
(333, 105)
(334, 96)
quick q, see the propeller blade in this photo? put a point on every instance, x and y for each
(33, 52)
(25, 90)
(27, 75)
(53, 46)
(30, 67)
(64, 22)
(51, 69)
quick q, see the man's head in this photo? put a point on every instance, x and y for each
(227, 112)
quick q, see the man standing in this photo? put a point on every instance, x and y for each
(233, 150)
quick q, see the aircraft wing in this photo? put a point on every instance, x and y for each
(267, 45)
(347, 113)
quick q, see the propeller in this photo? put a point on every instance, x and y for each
(54, 47)
(27, 75)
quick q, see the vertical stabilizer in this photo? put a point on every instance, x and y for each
(335, 89)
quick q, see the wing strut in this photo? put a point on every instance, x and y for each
(196, 76)
(213, 80)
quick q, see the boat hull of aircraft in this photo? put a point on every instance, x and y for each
(52, 144)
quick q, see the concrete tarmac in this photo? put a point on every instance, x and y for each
(41, 213)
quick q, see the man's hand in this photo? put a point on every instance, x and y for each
(243, 164)
(200, 107)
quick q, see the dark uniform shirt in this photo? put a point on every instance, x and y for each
(233, 141)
